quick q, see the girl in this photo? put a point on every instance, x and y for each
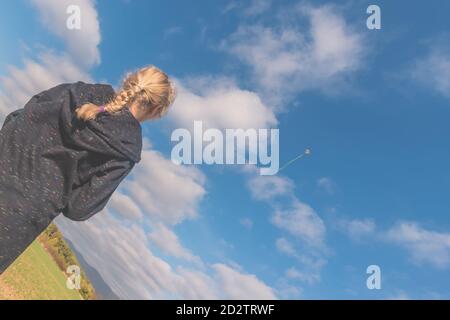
(68, 150)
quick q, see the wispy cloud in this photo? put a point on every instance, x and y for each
(289, 213)
(250, 8)
(82, 44)
(287, 59)
(309, 265)
(308, 277)
(246, 222)
(257, 7)
(49, 68)
(219, 103)
(123, 205)
(424, 246)
(36, 75)
(296, 220)
(172, 31)
(120, 248)
(122, 256)
(432, 70)
(168, 241)
(326, 184)
(164, 191)
(399, 295)
(269, 187)
(302, 222)
(241, 286)
(357, 229)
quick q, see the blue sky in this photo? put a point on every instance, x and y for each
(372, 104)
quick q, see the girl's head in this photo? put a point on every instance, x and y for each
(148, 93)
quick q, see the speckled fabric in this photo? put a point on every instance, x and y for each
(52, 163)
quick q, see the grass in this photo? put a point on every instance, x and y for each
(35, 276)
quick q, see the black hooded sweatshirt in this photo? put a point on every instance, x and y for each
(52, 163)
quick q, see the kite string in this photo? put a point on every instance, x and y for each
(289, 162)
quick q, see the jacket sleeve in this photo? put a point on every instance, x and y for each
(93, 195)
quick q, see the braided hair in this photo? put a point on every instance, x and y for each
(149, 86)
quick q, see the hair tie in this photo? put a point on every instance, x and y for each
(101, 109)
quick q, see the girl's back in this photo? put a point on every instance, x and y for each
(68, 150)
(51, 162)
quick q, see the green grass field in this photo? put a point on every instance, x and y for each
(35, 276)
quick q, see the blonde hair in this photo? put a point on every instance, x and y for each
(149, 86)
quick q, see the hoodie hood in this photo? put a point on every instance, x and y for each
(116, 135)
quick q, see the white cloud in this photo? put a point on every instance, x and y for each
(257, 7)
(308, 277)
(36, 75)
(301, 221)
(82, 44)
(424, 246)
(164, 191)
(250, 8)
(287, 291)
(433, 70)
(357, 228)
(286, 59)
(120, 253)
(48, 68)
(125, 206)
(399, 295)
(231, 5)
(311, 264)
(193, 284)
(246, 222)
(295, 218)
(237, 285)
(313, 261)
(119, 249)
(172, 31)
(219, 103)
(326, 184)
(168, 241)
(269, 187)
(286, 247)
(226, 244)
